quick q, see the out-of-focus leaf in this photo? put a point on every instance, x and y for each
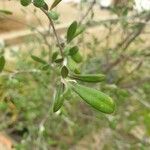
(39, 3)
(6, 12)
(35, 58)
(72, 65)
(89, 77)
(80, 30)
(73, 50)
(25, 2)
(54, 56)
(2, 63)
(45, 67)
(45, 6)
(71, 31)
(64, 72)
(58, 98)
(55, 3)
(59, 60)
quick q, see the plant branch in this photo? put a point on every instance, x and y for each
(88, 11)
(54, 31)
(126, 43)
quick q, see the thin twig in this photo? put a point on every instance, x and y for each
(88, 11)
(54, 31)
(126, 43)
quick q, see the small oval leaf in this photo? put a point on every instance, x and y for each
(59, 60)
(54, 56)
(45, 6)
(25, 2)
(64, 72)
(71, 64)
(71, 31)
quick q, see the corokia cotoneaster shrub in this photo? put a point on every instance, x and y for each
(66, 62)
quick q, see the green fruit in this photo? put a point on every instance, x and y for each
(25, 2)
(39, 3)
(95, 98)
(89, 77)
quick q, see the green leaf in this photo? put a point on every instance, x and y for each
(77, 57)
(7, 12)
(54, 56)
(45, 67)
(25, 2)
(72, 65)
(2, 63)
(94, 98)
(3, 106)
(88, 77)
(73, 50)
(80, 29)
(39, 3)
(71, 31)
(35, 58)
(58, 98)
(75, 54)
(53, 15)
(59, 60)
(45, 7)
(64, 72)
(55, 3)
